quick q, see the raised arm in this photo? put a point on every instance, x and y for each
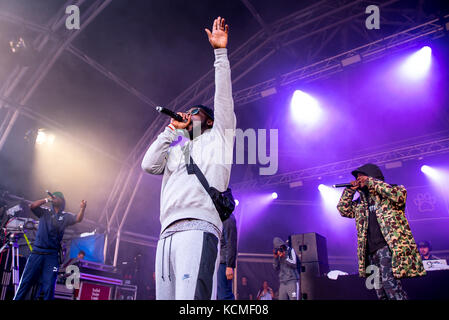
(346, 206)
(397, 194)
(223, 102)
(38, 203)
(290, 260)
(80, 215)
(35, 206)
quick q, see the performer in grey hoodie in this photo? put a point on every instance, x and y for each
(187, 255)
(285, 262)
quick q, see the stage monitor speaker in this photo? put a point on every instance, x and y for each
(310, 272)
(310, 247)
(312, 250)
(126, 292)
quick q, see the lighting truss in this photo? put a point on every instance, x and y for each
(416, 151)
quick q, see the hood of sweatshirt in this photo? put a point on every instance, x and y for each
(278, 242)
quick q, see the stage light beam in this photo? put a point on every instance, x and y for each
(329, 195)
(41, 137)
(417, 65)
(274, 195)
(44, 137)
(304, 108)
(438, 175)
(430, 172)
(329, 200)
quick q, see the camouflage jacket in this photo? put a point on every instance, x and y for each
(390, 202)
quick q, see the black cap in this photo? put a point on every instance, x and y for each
(206, 110)
(371, 170)
(424, 244)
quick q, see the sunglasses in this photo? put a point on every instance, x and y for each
(193, 112)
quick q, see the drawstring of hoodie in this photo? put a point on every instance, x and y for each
(163, 251)
(169, 255)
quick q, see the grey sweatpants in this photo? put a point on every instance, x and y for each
(289, 290)
(186, 266)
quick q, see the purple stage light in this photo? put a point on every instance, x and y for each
(236, 202)
(330, 195)
(304, 108)
(329, 200)
(274, 195)
(425, 169)
(439, 176)
(417, 65)
(430, 172)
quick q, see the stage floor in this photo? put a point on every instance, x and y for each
(433, 286)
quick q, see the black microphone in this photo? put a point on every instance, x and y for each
(170, 113)
(342, 185)
(50, 194)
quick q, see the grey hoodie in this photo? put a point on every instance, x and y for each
(287, 265)
(182, 195)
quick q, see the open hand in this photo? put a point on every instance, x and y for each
(218, 38)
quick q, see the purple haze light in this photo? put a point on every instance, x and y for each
(274, 195)
(305, 109)
(417, 65)
(236, 202)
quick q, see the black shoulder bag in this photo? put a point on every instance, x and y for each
(223, 201)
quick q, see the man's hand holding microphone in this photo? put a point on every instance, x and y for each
(359, 183)
(181, 125)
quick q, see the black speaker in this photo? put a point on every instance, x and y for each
(311, 247)
(312, 250)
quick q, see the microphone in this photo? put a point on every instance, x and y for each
(169, 113)
(50, 194)
(342, 185)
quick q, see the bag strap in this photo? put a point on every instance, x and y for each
(192, 168)
(200, 175)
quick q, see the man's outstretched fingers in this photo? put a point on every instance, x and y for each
(214, 26)
(218, 23)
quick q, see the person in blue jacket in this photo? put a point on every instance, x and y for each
(43, 264)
